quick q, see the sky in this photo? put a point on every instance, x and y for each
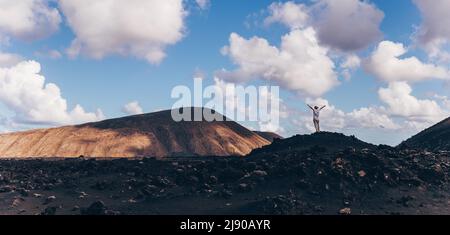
(382, 67)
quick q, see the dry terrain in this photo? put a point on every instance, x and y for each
(154, 134)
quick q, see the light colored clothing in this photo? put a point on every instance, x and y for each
(316, 113)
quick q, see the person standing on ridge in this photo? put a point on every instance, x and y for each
(316, 113)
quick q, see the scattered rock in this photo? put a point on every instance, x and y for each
(244, 187)
(49, 199)
(49, 211)
(6, 189)
(96, 208)
(361, 173)
(83, 195)
(321, 181)
(213, 179)
(23, 192)
(345, 211)
(278, 205)
(16, 202)
(259, 173)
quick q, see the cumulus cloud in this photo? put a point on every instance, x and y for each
(8, 60)
(236, 104)
(385, 63)
(400, 102)
(372, 117)
(28, 19)
(290, 14)
(132, 108)
(350, 64)
(400, 111)
(434, 32)
(139, 28)
(445, 101)
(24, 91)
(335, 119)
(300, 64)
(347, 25)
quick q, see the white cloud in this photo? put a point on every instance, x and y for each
(351, 62)
(203, 4)
(401, 112)
(233, 105)
(290, 14)
(139, 28)
(335, 119)
(434, 32)
(444, 100)
(300, 64)
(347, 25)
(8, 60)
(349, 65)
(385, 63)
(400, 102)
(132, 108)
(28, 19)
(24, 91)
(372, 117)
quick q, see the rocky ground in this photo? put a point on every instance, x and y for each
(288, 180)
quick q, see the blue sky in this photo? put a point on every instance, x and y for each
(114, 80)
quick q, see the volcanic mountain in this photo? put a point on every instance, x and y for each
(153, 134)
(435, 138)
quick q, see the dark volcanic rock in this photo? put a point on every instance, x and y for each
(320, 142)
(6, 189)
(435, 138)
(49, 211)
(299, 175)
(270, 136)
(96, 208)
(277, 205)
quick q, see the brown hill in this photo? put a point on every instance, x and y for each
(435, 138)
(153, 134)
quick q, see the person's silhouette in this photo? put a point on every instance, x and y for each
(316, 113)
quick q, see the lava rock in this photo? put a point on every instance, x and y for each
(49, 211)
(6, 189)
(345, 211)
(49, 199)
(96, 208)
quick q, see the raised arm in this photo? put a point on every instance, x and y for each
(323, 107)
(310, 106)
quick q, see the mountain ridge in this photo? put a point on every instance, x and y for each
(434, 138)
(145, 135)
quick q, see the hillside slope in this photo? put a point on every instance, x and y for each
(154, 134)
(435, 138)
(270, 136)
